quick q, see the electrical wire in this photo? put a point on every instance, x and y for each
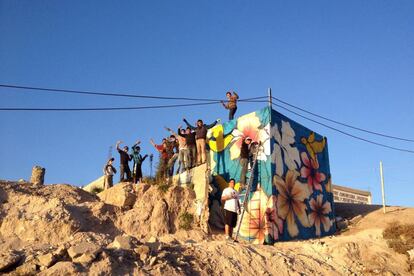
(111, 94)
(107, 108)
(343, 124)
(343, 132)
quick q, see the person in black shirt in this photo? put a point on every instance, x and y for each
(124, 158)
(190, 139)
(244, 159)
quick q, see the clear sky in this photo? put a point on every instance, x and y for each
(351, 61)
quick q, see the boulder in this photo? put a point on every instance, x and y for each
(61, 268)
(26, 269)
(121, 195)
(122, 242)
(46, 260)
(160, 218)
(9, 259)
(84, 252)
(411, 254)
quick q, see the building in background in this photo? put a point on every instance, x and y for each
(350, 195)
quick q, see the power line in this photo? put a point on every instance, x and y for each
(110, 94)
(344, 124)
(108, 108)
(345, 133)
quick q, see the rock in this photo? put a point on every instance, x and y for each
(143, 251)
(121, 195)
(9, 260)
(356, 219)
(152, 261)
(84, 252)
(46, 260)
(38, 175)
(411, 254)
(26, 269)
(343, 224)
(60, 268)
(153, 244)
(122, 242)
(160, 218)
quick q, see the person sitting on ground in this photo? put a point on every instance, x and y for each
(230, 198)
(109, 171)
(182, 149)
(231, 103)
(201, 135)
(244, 159)
(138, 160)
(190, 139)
(162, 149)
(124, 159)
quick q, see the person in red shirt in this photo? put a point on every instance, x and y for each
(164, 157)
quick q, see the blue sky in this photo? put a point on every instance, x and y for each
(352, 61)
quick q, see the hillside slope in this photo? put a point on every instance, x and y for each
(61, 229)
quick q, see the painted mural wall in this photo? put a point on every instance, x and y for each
(291, 196)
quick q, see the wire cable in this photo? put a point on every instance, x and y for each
(344, 124)
(111, 94)
(345, 133)
(107, 108)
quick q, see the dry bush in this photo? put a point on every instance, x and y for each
(186, 221)
(400, 237)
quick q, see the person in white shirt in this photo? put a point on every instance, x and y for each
(230, 199)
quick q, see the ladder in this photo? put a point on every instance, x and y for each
(249, 186)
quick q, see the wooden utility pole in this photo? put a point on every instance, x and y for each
(382, 187)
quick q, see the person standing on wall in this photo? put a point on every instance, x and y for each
(231, 104)
(244, 160)
(190, 138)
(109, 171)
(138, 160)
(124, 159)
(162, 149)
(230, 198)
(182, 150)
(201, 136)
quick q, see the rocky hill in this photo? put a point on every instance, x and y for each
(154, 230)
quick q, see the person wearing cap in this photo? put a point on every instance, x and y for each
(230, 198)
(124, 160)
(138, 160)
(109, 171)
(201, 136)
(231, 104)
(244, 159)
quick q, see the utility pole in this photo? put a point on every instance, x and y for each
(269, 93)
(382, 187)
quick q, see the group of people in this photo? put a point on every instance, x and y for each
(124, 158)
(188, 146)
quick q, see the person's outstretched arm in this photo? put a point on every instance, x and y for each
(212, 125)
(117, 145)
(188, 124)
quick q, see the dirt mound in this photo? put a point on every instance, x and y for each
(153, 230)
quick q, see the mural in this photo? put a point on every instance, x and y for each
(291, 194)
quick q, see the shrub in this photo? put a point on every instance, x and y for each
(399, 237)
(186, 221)
(97, 190)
